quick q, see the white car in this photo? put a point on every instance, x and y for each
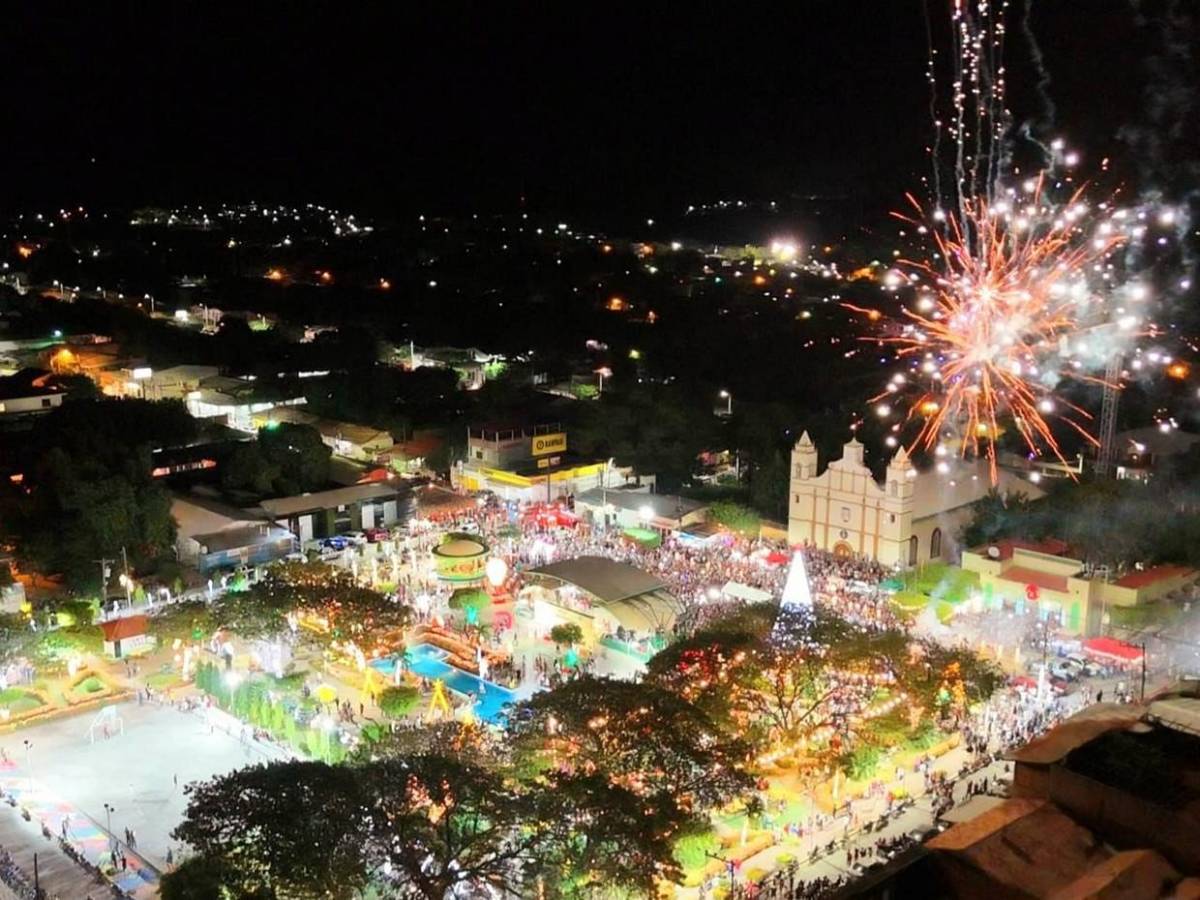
(1089, 667)
(1064, 669)
(357, 538)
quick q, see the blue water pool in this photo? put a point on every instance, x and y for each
(429, 662)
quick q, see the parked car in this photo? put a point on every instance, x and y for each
(356, 538)
(1064, 670)
(337, 542)
(375, 535)
(1089, 667)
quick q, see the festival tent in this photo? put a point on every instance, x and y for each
(735, 590)
(1112, 649)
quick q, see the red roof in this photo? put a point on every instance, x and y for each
(1111, 647)
(130, 626)
(372, 476)
(1043, 580)
(1149, 576)
(1051, 546)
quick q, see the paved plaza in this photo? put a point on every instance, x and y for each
(140, 773)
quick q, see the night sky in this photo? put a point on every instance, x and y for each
(471, 107)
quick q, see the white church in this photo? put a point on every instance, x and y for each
(910, 518)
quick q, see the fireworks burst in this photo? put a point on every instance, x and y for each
(1005, 315)
(1022, 285)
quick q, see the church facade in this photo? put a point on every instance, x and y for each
(908, 519)
(845, 510)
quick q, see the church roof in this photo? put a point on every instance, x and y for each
(934, 493)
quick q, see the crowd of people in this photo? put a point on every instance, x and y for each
(13, 876)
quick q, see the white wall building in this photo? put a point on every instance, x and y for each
(910, 518)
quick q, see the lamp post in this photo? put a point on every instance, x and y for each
(728, 398)
(108, 811)
(29, 762)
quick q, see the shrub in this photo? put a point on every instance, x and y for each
(398, 701)
(91, 685)
(568, 633)
(692, 850)
(861, 763)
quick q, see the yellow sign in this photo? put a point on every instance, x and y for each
(549, 443)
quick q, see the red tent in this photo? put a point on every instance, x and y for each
(775, 558)
(1111, 648)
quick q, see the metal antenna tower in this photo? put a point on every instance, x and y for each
(1107, 456)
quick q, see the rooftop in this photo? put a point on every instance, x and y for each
(662, 506)
(934, 493)
(1043, 580)
(282, 507)
(1006, 548)
(1149, 576)
(28, 383)
(605, 579)
(1076, 731)
(244, 536)
(1157, 763)
(1008, 846)
(1153, 441)
(125, 627)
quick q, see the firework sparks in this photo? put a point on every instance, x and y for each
(1004, 312)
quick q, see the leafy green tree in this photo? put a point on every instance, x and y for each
(292, 829)
(566, 634)
(299, 454)
(351, 611)
(638, 736)
(248, 469)
(657, 429)
(736, 518)
(448, 827)
(995, 516)
(769, 484)
(398, 701)
(210, 878)
(783, 678)
(602, 838)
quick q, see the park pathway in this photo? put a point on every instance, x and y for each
(59, 875)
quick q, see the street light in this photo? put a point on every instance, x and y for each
(127, 583)
(728, 398)
(108, 811)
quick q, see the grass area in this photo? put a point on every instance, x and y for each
(1139, 617)
(942, 581)
(19, 701)
(943, 585)
(160, 680)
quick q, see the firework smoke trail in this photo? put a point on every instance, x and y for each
(934, 117)
(981, 119)
(1022, 287)
(1042, 86)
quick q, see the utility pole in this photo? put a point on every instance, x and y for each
(1143, 646)
(105, 571)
